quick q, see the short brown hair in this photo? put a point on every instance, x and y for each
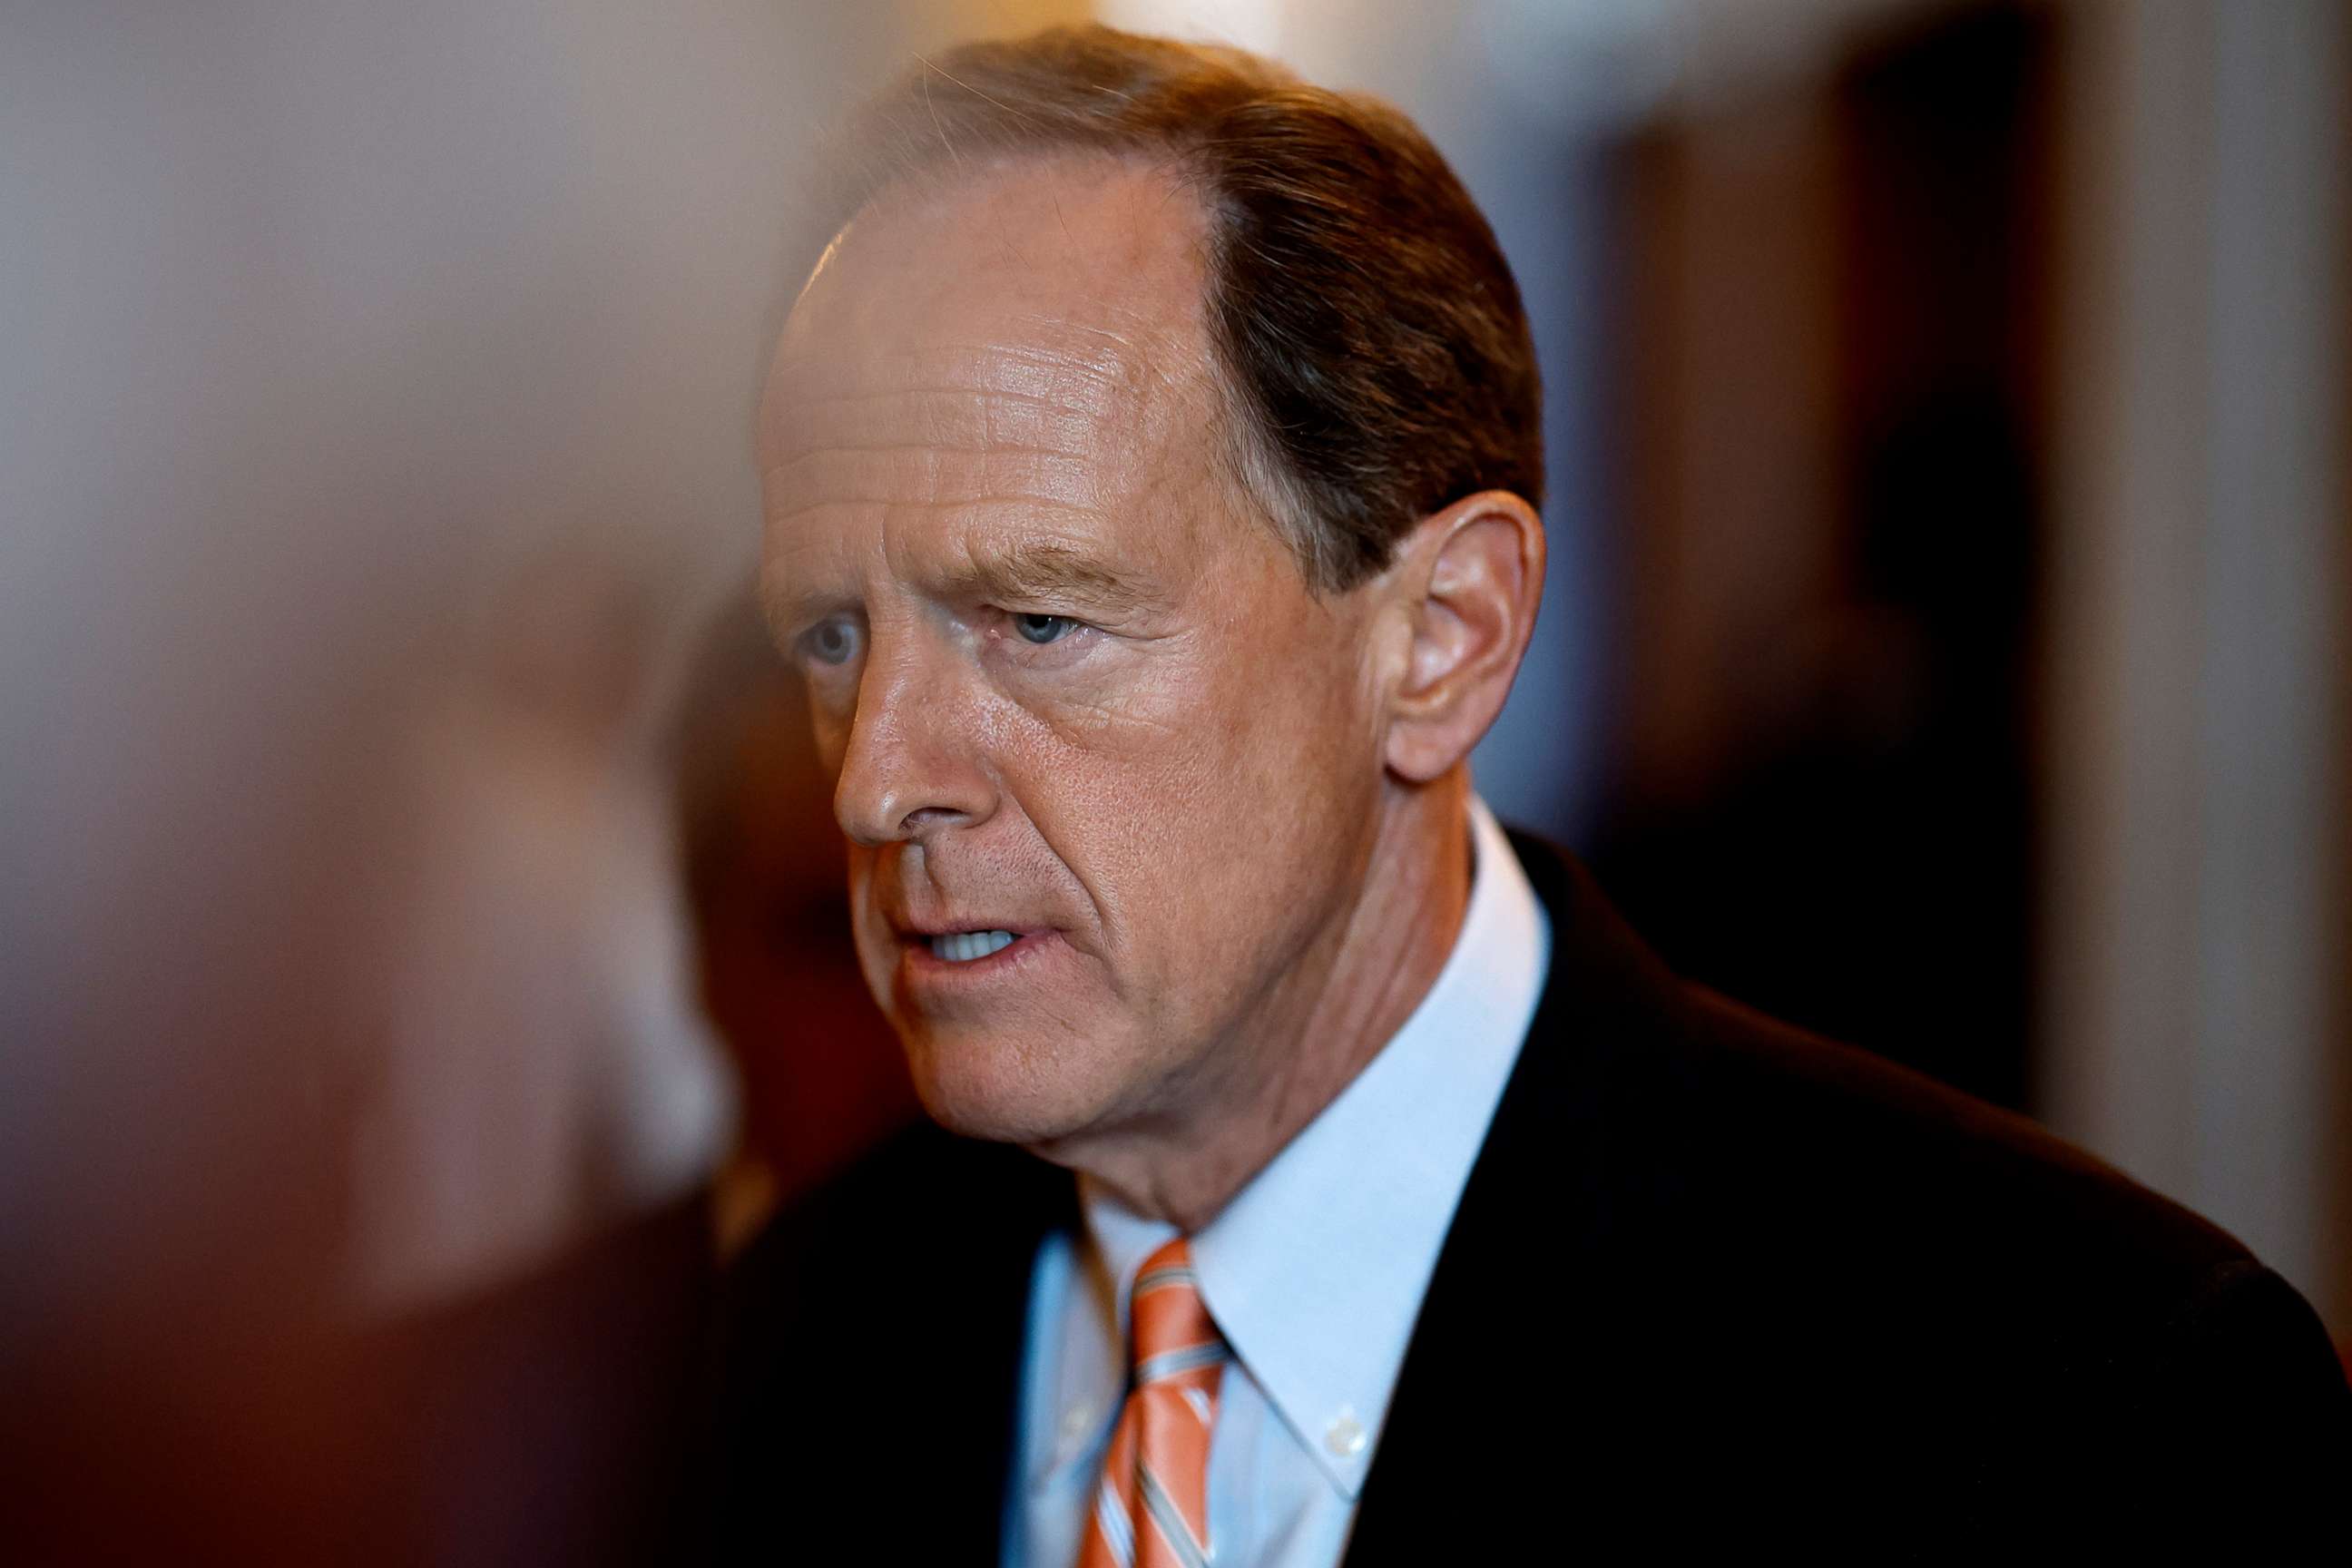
(1364, 321)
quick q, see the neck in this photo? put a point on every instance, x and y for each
(1328, 1017)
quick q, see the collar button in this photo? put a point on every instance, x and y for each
(1345, 1436)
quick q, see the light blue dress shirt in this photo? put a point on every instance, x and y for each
(1315, 1271)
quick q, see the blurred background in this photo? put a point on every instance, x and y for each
(420, 913)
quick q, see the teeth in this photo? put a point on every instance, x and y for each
(963, 946)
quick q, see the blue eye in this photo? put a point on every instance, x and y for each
(1044, 628)
(831, 641)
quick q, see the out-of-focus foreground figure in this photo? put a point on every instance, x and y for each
(374, 391)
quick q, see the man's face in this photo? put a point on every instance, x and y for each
(1074, 689)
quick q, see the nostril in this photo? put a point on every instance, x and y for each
(927, 816)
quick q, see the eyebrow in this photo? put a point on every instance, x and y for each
(1052, 572)
(1030, 571)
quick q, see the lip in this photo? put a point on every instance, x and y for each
(924, 971)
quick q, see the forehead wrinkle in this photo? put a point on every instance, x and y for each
(787, 597)
(1130, 343)
(955, 416)
(897, 534)
(1016, 368)
(1009, 393)
(921, 473)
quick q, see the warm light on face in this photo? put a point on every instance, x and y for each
(1103, 759)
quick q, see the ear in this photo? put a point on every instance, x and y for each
(1468, 580)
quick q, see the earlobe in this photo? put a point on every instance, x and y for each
(1473, 576)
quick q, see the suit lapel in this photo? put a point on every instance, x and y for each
(973, 1320)
(1506, 1335)
(872, 1374)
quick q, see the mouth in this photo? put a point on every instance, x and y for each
(968, 946)
(951, 962)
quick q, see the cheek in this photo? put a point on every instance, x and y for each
(1204, 809)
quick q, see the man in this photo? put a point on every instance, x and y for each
(1152, 466)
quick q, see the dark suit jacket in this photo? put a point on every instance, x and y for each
(1714, 1284)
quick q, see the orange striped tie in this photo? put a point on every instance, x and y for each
(1151, 1509)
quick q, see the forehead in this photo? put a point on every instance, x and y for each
(1031, 335)
(1102, 258)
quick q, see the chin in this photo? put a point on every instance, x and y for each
(979, 1086)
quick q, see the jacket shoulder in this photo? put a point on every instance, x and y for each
(1718, 1125)
(1864, 1142)
(832, 1326)
(873, 1230)
(1850, 1269)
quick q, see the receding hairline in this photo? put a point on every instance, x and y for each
(933, 188)
(1178, 353)
(1367, 341)
(918, 123)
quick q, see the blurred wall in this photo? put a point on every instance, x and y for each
(2197, 1027)
(1820, 793)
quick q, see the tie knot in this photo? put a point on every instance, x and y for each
(1172, 1330)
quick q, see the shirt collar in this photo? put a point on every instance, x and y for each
(1316, 1270)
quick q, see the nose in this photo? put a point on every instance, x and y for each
(912, 762)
